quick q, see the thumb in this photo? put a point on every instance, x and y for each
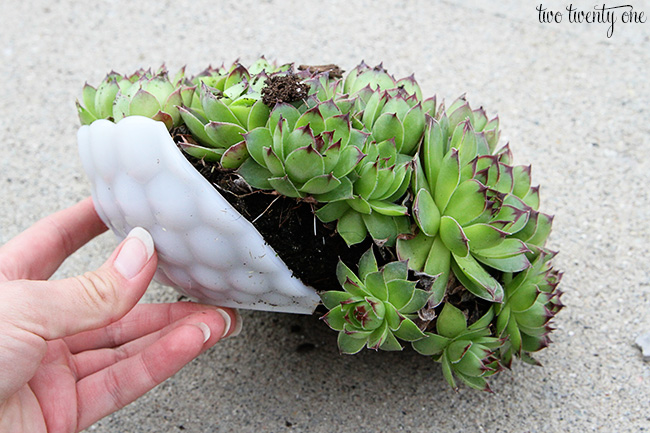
(55, 309)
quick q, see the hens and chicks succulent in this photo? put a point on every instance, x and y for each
(425, 182)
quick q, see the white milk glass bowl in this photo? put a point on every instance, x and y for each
(206, 249)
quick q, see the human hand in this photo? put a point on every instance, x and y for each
(75, 350)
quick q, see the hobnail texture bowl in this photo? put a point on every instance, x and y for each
(206, 249)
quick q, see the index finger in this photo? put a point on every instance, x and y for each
(38, 251)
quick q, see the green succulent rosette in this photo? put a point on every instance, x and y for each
(472, 209)
(142, 93)
(376, 307)
(531, 301)
(380, 180)
(304, 154)
(227, 104)
(466, 352)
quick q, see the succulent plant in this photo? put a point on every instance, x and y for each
(227, 104)
(469, 205)
(426, 185)
(304, 154)
(142, 93)
(376, 307)
(388, 112)
(394, 114)
(156, 97)
(380, 179)
(466, 351)
(99, 101)
(531, 301)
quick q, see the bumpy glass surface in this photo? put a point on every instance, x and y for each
(206, 249)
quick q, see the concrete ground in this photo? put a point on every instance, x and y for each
(572, 101)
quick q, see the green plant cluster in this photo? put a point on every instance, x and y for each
(378, 159)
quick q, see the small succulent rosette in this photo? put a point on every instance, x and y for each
(445, 232)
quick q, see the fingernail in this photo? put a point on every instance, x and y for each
(135, 253)
(206, 331)
(238, 324)
(227, 320)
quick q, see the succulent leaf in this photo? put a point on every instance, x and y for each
(508, 248)
(88, 94)
(457, 350)
(426, 213)
(258, 115)
(507, 264)
(431, 344)
(335, 318)
(367, 264)
(415, 250)
(448, 178)
(215, 108)
(144, 104)
(224, 134)
(285, 186)
(86, 117)
(255, 174)
(408, 331)
(467, 202)
(388, 126)
(234, 156)
(304, 164)
(352, 228)
(283, 111)
(476, 279)
(453, 236)
(383, 227)
(387, 208)
(396, 271)
(322, 184)
(256, 140)
(418, 300)
(272, 162)
(451, 321)
(312, 118)
(483, 236)
(400, 292)
(341, 192)
(350, 345)
(459, 112)
(204, 153)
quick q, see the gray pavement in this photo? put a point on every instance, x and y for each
(573, 102)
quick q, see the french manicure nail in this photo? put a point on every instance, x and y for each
(135, 253)
(226, 319)
(206, 331)
(238, 324)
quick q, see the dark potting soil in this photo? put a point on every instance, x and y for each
(284, 88)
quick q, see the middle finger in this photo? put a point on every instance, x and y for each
(142, 320)
(92, 361)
